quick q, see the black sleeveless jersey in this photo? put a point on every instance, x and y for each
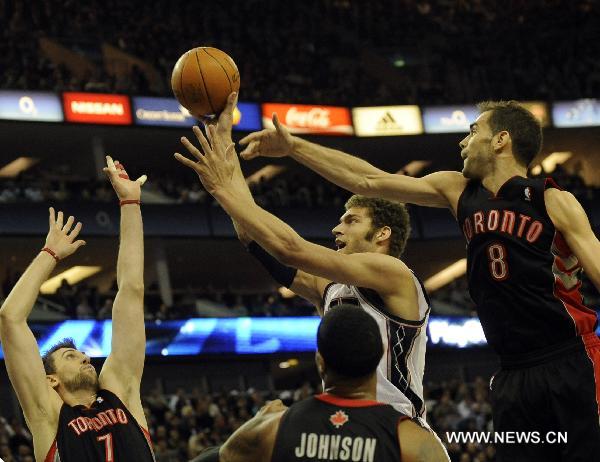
(104, 432)
(325, 427)
(523, 276)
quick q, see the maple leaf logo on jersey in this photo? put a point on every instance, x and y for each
(338, 419)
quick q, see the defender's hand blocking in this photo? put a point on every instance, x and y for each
(270, 142)
(61, 239)
(218, 168)
(123, 186)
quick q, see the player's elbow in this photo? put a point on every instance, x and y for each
(8, 316)
(132, 288)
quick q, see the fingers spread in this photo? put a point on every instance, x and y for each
(202, 139)
(251, 151)
(188, 162)
(110, 164)
(52, 217)
(191, 148)
(59, 220)
(121, 169)
(69, 224)
(79, 243)
(141, 180)
(75, 231)
(252, 136)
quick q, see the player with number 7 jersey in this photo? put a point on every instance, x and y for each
(101, 431)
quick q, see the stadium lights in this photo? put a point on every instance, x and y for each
(73, 275)
(447, 275)
(549, 163)
(267, 172)
(414, 167)
(14, 168)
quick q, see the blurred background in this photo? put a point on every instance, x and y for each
(394, 82)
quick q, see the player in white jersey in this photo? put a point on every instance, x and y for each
(402, 366)
(370, 239)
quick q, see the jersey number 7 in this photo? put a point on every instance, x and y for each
(108, 446)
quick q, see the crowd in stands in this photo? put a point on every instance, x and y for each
(84, 301)
(186, 422)
(329, 51)
(290, 189)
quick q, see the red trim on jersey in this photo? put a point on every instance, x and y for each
(346, 402)
(592, 348)
(550, 183)
(561, 244)
(51, 452)
(584, 318)
(147, 435)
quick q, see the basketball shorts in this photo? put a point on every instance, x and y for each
(546, 406)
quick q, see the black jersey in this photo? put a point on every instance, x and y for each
(523, 276)
(106, 431)
(325, 427)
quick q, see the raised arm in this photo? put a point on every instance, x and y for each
(220, 173)
(570, 219)
(306, 285)
(21, 353)
(440, 189)
(122, 371)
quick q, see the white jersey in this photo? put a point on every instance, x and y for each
(400, 371)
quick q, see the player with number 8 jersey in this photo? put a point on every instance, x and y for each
(523, 277)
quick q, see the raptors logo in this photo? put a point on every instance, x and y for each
(338, 419)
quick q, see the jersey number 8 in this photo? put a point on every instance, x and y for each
(497, 261)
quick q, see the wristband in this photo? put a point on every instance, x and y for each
(130, 201)
(51, 252)
(284, 275)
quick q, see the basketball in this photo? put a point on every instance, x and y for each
(203, 78)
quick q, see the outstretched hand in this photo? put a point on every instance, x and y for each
(224, 121)
(217, 164)
(61, 238)
(270, 142)
(125, 188)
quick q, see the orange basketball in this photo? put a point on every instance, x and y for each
(202, 80)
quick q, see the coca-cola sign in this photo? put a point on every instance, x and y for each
(300, 118)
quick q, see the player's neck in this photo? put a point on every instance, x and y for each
(83, 397)
(353, 389)
(503, 172)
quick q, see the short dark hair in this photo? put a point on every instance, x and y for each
(349, 341)
(524, 129)
(386, 213)
(48, 360)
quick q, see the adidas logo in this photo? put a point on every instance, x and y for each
(387, 122)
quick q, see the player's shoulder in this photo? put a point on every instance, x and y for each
(255, 439)
(564, 209)
(559, 203)
(558, 197)
(447, 179)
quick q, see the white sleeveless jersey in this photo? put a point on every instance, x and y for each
(400, 371)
